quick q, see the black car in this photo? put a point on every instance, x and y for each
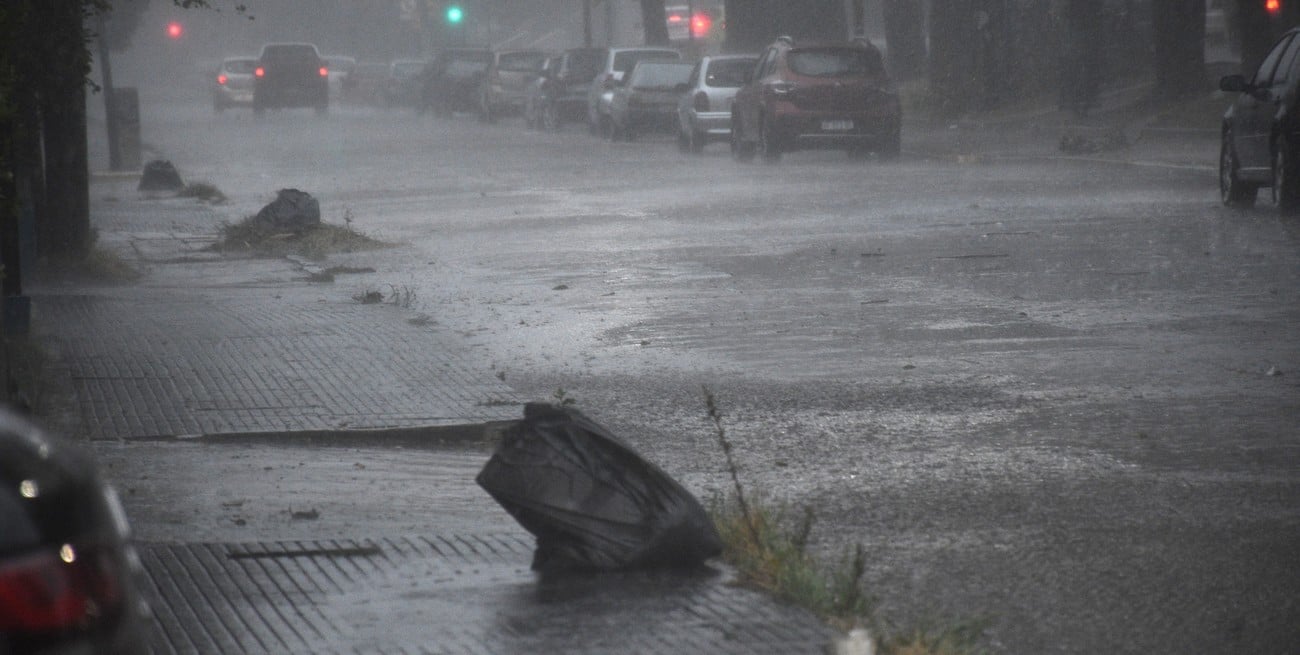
(68, 576)
(290, 75)
(1261, 130)
(564, 93)
(451, 81)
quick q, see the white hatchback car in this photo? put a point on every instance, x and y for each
(232, 86)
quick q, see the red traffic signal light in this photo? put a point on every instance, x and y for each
(1272, 6)
(175, 30)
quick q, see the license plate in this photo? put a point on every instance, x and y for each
(837, 126)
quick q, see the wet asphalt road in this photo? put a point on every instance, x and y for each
(1063, 396)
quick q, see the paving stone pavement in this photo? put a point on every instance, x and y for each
(204, 347)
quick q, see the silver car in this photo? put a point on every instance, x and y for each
(704, 110)
(232, 86)
(618, 61)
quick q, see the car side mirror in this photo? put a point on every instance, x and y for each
(1234, 84)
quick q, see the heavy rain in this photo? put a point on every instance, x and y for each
(972, 326)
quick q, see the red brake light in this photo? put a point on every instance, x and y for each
(324, 72)
(44, 592)
(1272, 6)
(701, 24)
(259, 72)
(701, 101)
(675, 18)
(222, 79)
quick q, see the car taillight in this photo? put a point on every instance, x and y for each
(60, 590)
(324, 72)
(259, 72)
(701, 102)
(222, 79)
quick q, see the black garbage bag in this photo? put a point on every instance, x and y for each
(292, 210)
(160, 175)
(591, 500)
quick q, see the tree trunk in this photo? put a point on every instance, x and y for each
(1179, 47)
(952, 69)
(1082, 61)
(905, 37)
(655, 21)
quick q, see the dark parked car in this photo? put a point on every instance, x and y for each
(232, 86)
(505, 83)
(564, 93)
(816, 96)
(646, 101)
(1261, 130)
(291, 75)
(704, 110)
(451, 80)
(403, 83)
(617, 62)
(69, 579)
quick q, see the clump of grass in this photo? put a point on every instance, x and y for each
(203, 191)
(769, 549)
(317, 242)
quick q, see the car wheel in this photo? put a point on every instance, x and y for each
(604, 125)
(741, 150)
(1233, 191)
(551, 117)
(1285, 193)
(698, 139)
(892, 147)
(768, 144)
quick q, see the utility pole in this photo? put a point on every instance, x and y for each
(586, 23)
(110, 109)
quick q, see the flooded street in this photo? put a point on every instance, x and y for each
(1058, 394)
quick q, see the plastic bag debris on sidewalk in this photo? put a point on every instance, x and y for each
(591, 500)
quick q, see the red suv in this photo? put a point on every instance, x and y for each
(816, 96)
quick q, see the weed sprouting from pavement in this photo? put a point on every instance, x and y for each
(562, 398)
(403, 296)
(770, 551)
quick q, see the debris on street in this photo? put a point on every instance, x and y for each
(590, 500)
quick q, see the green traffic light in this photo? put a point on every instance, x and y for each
(455, 14)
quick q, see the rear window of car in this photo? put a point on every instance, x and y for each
(657, 76)
(624, 61)
(290, 53)
(728, 73)
(583, 65)
(240, 66)
(521, 62)
(834, 62)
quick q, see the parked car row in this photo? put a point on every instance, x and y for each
(789, 97)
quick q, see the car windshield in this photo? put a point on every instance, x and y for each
(624, 61)
(729, 73)
(832, 62)
(522, 62)
(660, 76)
(240, 66)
